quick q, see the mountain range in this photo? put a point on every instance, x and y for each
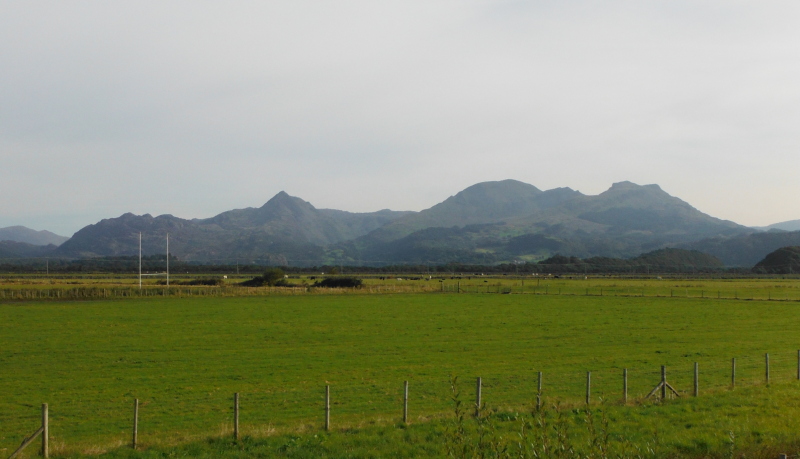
(486, 223)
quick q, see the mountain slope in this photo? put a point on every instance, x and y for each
(285, 228)
(747, 249)
(13, 249)
(486, 202)
(29, 236)
(515, 220)
(785, 260)
(791, 225)
(288, 216)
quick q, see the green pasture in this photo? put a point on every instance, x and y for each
(185, 357)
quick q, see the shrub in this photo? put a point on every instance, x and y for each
(273, 277)
(339, 282)
(210, 281)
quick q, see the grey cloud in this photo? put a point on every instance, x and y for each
(222, 105)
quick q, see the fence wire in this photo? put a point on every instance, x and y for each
(265, 409)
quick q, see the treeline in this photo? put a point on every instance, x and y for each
(663, 261)
(116, 265)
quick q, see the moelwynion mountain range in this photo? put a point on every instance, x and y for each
(486, 223)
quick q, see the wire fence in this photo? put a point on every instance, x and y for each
(266, 409)
(665, 291)
(99, 293)
(45, 293)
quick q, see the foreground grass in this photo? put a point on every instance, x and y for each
(185, 357)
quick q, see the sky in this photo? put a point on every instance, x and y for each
(192, 108)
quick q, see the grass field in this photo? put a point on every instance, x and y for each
(185, 357)
(105, 286)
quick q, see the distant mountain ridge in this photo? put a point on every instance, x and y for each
(745, 249)
(13, 250)
(791, 225)
(501, 221)
(29, 236)
(285, 228)
(487, 223)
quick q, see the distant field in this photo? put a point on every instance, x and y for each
(104, 286)
(185, 357)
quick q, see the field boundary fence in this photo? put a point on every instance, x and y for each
(44, 431)
(100, 293)
(127, 292)
(624, 291)
(342, 404)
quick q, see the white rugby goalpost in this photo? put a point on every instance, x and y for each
(140, 263)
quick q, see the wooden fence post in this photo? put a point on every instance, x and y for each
(478, 397)
(663, 382)
(625, 385)
(327, 408)
(135, 423)
(733, 372)
(45, 431)
(405, 402)
(236, 416)
(539, 393)
(588, 387)
(696, 380)
(766, 368)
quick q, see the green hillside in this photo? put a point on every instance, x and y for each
(785, 260)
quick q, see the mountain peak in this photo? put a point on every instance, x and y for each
(284, 201)
(626, 185)
(501, 186)
(627, 190)
(281, 196)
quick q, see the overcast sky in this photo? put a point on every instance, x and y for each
(193, 108)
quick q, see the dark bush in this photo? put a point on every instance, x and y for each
(339, 282)
(273, 277)
(211, 281)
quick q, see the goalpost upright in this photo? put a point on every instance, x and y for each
(140, 261)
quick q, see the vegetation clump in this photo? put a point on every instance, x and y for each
(209, 281)
(273, 277)
(339, 282)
